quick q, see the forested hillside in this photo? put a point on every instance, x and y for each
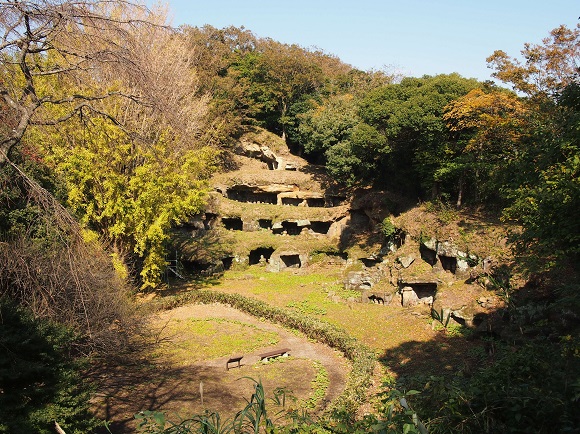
(112, 125)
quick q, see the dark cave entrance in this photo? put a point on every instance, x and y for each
(291, 261)
(265, 223)
(316, 202)
(320, 227)
(292, 201)
(257, 254)
(233, 223)
(448, 263)
(291, 228)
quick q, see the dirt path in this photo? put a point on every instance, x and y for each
(333, 361)
(158, 384)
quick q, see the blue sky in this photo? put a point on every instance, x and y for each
(415, 37)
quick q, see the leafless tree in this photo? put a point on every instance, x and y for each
(58, 38)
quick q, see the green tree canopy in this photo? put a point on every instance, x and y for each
(410, 115)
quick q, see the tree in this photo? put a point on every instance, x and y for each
(546, 193)
(410, 116)
(275, 76)
(49, 269)
(548, 68)
(490, 126)
(545, 203)
(39, 379)
(107, 82)
(130, 193)
(333, 133)
(54, 38)
(136, 171)
(327, 124)
(213, 51)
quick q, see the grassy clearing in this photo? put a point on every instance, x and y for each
(193, 340)
(378, 326)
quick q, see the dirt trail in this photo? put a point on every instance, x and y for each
(333, 361)
(160, 385)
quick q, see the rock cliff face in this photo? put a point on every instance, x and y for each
(273, 208)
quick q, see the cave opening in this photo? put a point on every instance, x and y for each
(233, 223)
(227, 261)
(359, 221)
(424, 290)
(370, 262)
(315, 202)
(291, 261)
(448, 263)
(428, 255)
(292, 201)
(336, 200)
(320, 227)
(291, 228)
(261, 252)
(242, 195)
(196, 267)
(209, 220)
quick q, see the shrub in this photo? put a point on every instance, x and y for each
(40, 380)
(388, 228)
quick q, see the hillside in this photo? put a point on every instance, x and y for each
(275, 209)
(377, 253)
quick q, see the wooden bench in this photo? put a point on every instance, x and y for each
(274, 353)
(235, 359)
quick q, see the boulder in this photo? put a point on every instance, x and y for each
(337, 228)
(408, 297)
(406, 261)
(446, 248)
(358, 280)
(286, 259)
(430, 244)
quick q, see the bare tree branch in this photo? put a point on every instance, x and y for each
(44, 38)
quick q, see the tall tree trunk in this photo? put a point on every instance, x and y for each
(461, 188)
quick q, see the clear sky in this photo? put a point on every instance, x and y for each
(414, 37)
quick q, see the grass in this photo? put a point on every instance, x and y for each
(319, 386)
(194, 340)
(380, 327)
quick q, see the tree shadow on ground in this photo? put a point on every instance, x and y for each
(127, 390)
(318, 173)
(444, 355)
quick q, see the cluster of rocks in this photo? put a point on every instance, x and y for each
(265, 154)
(439, 275)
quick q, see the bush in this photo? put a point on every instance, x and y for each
(40, 380)
(388, 228)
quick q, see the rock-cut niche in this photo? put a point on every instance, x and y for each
(243, 194)
(448, 263)
(233, 223)
(291, 261)
(256, 255)
(227, 262)
(320, 227)
(265, 223)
